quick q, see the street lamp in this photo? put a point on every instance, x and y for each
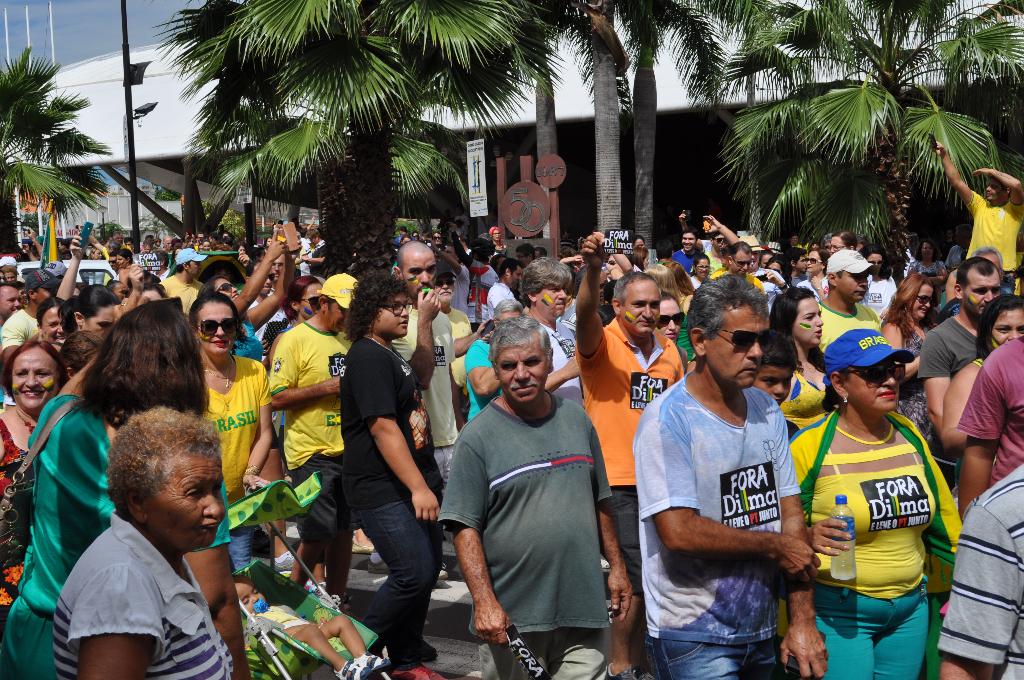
(132, 76)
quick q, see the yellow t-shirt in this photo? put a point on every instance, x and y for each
(188, 293)
(460, 329)
(237, 417)
(18, 330)
(306, 357)
(756, 283)
(837, 323)
(996, 226)
(805, 404)
(437, 396)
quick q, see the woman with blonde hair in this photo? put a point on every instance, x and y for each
(667, 282)
(683, 283)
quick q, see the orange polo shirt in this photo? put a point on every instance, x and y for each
(618, 390)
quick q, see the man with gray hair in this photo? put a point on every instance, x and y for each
(544, 289)
(527, 500)
(720, 507)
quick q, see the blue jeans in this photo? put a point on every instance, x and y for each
(1009, 283)
(679, 660)
(412, 551)
(240, 548)
(869, 638)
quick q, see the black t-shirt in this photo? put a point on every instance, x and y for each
(376, 381)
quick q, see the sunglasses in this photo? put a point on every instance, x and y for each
(313, 300)
(226, 288)
(878, 374)
(741, 263)
(812, 260)
(719, 239)
(703, 267)
(924, 299)
(398, 307)
(748, 338)
(209, 326)
(677, 319)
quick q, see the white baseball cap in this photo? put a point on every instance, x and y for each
(847, 261)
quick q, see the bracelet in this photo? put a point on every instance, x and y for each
(251, 470)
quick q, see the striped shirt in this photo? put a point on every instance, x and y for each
(988, 582)
(122, 585)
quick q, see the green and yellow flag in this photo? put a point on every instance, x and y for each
(49, 251)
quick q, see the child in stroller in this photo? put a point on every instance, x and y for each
(362, 664)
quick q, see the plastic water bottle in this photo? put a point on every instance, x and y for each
(844, 565)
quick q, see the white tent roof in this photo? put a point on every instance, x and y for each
(164, 133)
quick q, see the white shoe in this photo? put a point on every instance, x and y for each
(443, 574)
(362, 667)
(605, 565)
(285, 561)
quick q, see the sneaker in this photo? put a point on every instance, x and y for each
(641, 673)
(360, 549)
(419, 673)
(443, 574)
(604, 564)
(427, 653)
(283, 562)
(361, 668)
(377, 567)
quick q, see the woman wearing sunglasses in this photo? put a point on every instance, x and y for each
(672, 324)
(911, 315)
(239, 395)
(817, 261)
(796, 318)
(876, 623)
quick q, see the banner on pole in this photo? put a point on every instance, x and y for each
(477, 178)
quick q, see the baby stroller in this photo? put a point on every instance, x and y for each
(271, 652)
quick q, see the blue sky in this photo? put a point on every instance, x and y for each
(87, 28)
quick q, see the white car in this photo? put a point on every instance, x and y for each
(89, 271)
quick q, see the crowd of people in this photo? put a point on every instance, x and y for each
(658, 442)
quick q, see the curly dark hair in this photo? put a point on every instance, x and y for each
(374, 290)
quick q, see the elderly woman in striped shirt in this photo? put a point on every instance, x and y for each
(131, 607)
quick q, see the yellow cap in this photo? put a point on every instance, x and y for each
(340, 288)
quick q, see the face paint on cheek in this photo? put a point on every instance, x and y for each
(206, 338)
(973, 299)
(547, 300)
(306, 310)
(411, 279)
(805, 326)
(630, 317)
(48, 385)
(994, 343)
(14, 388)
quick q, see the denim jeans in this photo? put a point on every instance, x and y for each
(240, 548)
(679, 660)
(412, 551)
(1009, 283)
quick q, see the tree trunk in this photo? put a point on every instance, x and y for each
(9, 236)
(606, 130)
(891, 170)
(358, 202)
(547, 134)
(645, 113)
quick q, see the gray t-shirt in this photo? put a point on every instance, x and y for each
(988, 584)
(530, 488)
(946, 350)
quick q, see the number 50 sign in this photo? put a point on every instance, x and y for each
(526, 207)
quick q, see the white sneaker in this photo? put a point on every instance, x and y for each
(362, 667)
(443, 574)
(605, 565)
(285, 561)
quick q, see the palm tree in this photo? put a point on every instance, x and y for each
(853, 89)
(38, 144)
(339, 89)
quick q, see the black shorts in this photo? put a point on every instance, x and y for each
(626, 517)
(330, 513)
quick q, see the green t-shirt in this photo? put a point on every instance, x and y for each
(531, 488)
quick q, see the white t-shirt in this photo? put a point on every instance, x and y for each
(460, 300)
(499, 292)
(306, 250)
(880, 292)
(482, 277)
(563, 348)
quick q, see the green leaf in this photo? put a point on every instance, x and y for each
(844, 122)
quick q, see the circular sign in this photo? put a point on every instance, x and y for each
(550, 171)
(524, 209)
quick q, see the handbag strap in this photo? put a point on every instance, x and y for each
(39, 443)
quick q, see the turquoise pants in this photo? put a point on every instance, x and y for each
(872, 639)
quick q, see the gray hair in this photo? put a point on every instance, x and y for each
(517, 332)
(985, 250)
(544, 272)
(408, 248)
(141, 456)
(619, 292)
(964, 230)
(716, 296)
(506, 306)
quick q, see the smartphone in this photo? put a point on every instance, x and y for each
(687, 214)
(792, 665)
(86, 233)
(291, 237)
(931, 141)
(487, 327)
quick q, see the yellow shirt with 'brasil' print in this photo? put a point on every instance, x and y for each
(307, 357)
(837, 323)
(236, 415)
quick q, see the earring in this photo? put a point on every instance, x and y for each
(844, 400)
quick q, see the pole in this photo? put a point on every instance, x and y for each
(28, 29)
(250, 225)
(7, 37)
(53, 42)
(128, 111)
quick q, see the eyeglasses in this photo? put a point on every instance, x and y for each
(741, 263)
(719, 239)
(748, 338)
(313, 300)
(812, 260)
(677, 319)
(209, 326)
(702, 267)
(397, 308)
(878, 374)
(226, 288)
(925, 299)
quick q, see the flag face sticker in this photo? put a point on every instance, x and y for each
(896, 502)
(643, 389)
(749, 497)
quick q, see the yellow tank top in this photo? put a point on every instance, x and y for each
(892, 506)
(804, 406)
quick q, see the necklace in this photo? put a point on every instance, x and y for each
(370, 336)
(867, 443)
(227, 381)
(31, 426)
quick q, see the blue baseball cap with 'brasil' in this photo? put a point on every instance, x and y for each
(861, 347)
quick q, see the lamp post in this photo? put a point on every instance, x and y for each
(129, 128)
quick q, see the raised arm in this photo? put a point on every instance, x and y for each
(729, 234)
(67, 286)
(953, 175)
(460, 252)
(1008, 181)
(589, 329)
(266, 309)
(254, 285)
